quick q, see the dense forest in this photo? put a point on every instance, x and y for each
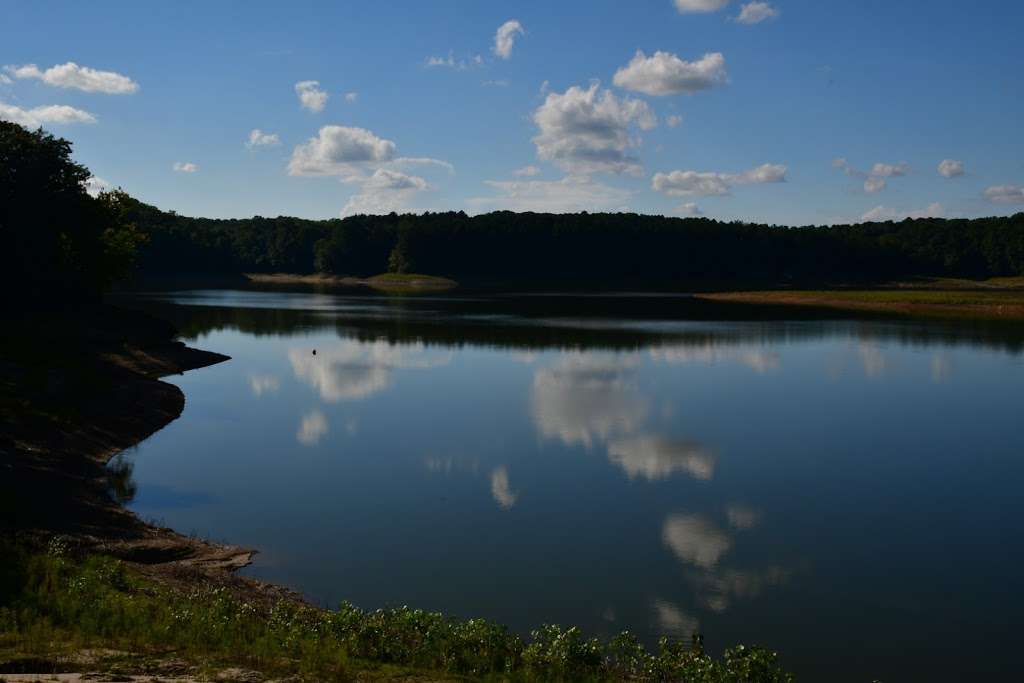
(59, 240)
(592, 250)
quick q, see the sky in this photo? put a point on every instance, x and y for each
(789, 112)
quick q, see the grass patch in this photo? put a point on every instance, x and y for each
(401, 283)
(53, 605)
(415, 279)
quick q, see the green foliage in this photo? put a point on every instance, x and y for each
(121, 240)
(399, 260)
(98, 602)
(56, 239)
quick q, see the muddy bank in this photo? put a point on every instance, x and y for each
(385, 282)
(77, 388)
(995, 305)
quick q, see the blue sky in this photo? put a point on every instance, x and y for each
(561, 114)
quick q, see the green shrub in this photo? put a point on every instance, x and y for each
(97, 601)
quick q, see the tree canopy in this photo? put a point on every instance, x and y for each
(584, 249)
(57, 240)
(60, 241)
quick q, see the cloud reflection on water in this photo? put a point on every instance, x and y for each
(718, 590)
(759, 360)
(587, 398)
(695, 540)
(352, 370)
(500, 489)
(263, 384)
(595, 399)
(673, 621)
(742, 517)
(655, 457)
(702, 545)
(312, 428)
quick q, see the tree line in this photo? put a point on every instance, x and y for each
(60, 241)
(583, 249)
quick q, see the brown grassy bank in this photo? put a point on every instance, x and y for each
(390, 282)
(963, 302)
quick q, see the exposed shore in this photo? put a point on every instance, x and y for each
(388, 282)
(992, 303)
(75, 395)
(996, 299)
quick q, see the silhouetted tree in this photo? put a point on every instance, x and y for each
(55, 239)
(586, 249)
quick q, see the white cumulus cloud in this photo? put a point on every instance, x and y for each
(257, 138)
(756, 12)
(41, 116)
(423, 161)
(711, 183)
(840, 163)
(699, 6)
(588, 130)
(351, 154)
(568, 195)
(95, 185)
(884, 213)
(311, 97)
(875, 179)
(339, 150)
(450, 62)
(1005, 194)
(663, 73)
(505, 38)
(526, 171)
(71, 75)
(950, 168)
(889, 170)
(873, 184)
(385, 191)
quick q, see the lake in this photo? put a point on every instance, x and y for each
(844, 490)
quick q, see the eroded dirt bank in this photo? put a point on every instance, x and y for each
(77, 388)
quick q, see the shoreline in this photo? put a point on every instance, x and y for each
(72, 418)
(386, 282)
(994, 299)
(994, 304)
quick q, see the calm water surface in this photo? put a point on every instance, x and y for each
(847, 491)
